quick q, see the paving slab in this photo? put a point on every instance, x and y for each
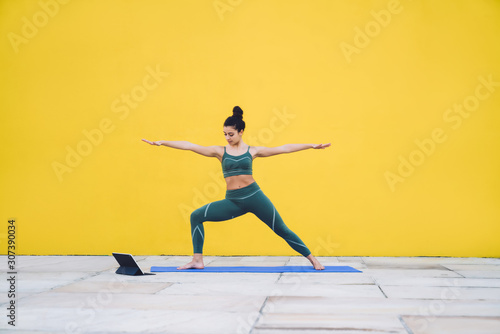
(221, 289)
(439, 282)
(479, 273)
(405, 266)
(326, 278)
(326, 331)
(339, 291)
(431, 260)
(441, 293)
(192, 277)
(392, 272)
(32, 282)
(134, 301)
(54, 320)
(455, 325)
(357, 259)
(125, 287)
(473, 267)
(311, 321)
(373, 306)
(65, 263)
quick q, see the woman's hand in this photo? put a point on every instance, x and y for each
(151, 142)
(321, 146)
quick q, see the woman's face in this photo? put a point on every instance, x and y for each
(232, 135)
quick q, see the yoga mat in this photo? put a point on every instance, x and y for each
(279, 269)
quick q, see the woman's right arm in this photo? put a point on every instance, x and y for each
(208, 151)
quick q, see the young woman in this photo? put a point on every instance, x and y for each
(243, 195)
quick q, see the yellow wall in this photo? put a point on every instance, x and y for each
(408, 92)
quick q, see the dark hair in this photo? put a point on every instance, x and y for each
(236, 120)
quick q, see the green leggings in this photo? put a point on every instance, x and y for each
(237, 203)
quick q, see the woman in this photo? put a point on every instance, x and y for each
(243, 195)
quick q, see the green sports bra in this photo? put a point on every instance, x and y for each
(237, 164)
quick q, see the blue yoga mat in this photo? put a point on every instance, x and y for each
(279, 269)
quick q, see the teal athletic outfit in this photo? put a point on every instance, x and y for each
(239, 202)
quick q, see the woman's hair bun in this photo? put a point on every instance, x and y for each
(237, 112)
(236, 120)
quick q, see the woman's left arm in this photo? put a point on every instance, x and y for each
(262, 151)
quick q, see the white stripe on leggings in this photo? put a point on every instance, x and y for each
(207, 209)
(199, 230)
(296, 243)
(274, 215)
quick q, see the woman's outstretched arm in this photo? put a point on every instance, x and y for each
(208, 151)
(262, 151)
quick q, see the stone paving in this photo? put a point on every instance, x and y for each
(416, 295)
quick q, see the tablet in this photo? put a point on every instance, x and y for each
(128, 266)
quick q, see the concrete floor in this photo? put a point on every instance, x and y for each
(82, 294)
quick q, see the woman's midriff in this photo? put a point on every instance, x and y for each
(239, 181)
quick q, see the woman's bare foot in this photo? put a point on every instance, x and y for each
(192, 265)
(315, 262)
(197, 263)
